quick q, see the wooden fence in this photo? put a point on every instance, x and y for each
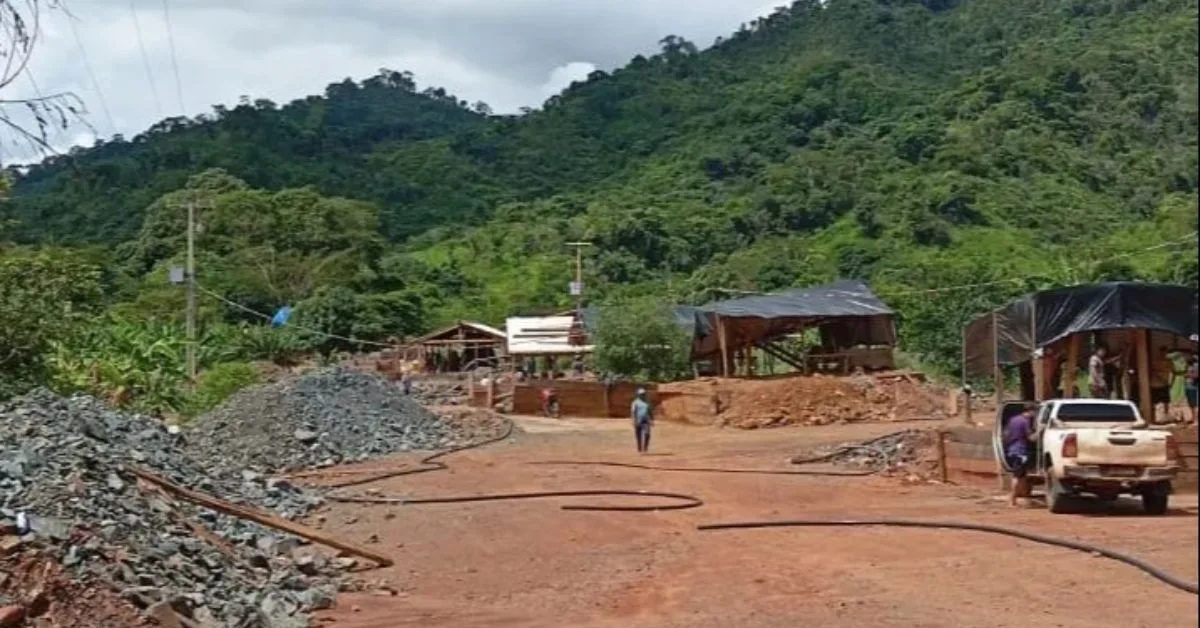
(966, 456)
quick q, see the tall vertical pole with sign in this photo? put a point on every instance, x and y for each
(577, 285)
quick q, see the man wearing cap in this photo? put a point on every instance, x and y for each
(643, 417)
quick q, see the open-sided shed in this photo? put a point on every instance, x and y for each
(856, 327)
(456, 346)
(1046, 331)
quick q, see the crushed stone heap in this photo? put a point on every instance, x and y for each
(66, 486)
(319, 419)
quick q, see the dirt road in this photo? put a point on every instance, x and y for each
(530, 564)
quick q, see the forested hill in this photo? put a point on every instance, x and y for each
(100, 194)
(916, 144)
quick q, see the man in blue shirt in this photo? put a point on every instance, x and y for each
(643, 417)
(1018, 434)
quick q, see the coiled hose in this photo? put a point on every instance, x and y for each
(432, 463)
(1178, 583)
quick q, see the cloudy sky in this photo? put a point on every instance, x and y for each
(508, 53)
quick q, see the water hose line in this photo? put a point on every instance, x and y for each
(1178, 583)
(432, 463)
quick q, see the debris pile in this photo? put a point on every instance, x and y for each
(34, 589)
(66, 483)
(802, 400)
(908, 452)
(320, 419)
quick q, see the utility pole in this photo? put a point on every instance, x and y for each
(577, 334)
(577, 287)
(190, 272)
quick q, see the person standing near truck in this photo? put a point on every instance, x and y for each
(1018, 434)
(1097, 381)
(643, 418)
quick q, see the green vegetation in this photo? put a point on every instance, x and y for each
(640, 340)
(976, 148)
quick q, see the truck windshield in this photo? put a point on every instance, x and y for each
(1096, 413)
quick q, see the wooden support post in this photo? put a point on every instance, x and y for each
(724, 346)
(262, 518)
(491, 393)
(1039, 378)
(997, 371)
(1069, 374)
(1145, 403)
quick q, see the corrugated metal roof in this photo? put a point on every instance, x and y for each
(480, 327)
(541, 335)
(841, 298)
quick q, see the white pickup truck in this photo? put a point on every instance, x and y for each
(1097, 447)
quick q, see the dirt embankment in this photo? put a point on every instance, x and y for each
(803, 400)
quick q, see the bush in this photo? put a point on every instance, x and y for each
(641, 340)
(220, 382)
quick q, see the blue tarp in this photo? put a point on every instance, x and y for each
(281, 317)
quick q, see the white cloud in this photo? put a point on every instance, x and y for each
(561, 77)
(507, 53)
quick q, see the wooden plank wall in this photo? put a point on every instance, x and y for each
(967, 457)
(581, 399)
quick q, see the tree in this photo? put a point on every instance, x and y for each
(20, 23)
(640, 339)
(44, 295)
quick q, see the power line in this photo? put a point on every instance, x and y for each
(248, 310)
(58, 132)
(87, 66)
(137, 28)
(174, 62)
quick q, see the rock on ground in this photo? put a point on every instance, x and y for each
(65, 484)
(322, 418)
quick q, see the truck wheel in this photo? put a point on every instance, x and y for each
(1155, 499)
(1056, 495)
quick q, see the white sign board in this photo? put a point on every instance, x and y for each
(175, 275)
(576, 288)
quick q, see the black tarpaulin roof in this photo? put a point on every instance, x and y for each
(1010, 334)
(841, 298)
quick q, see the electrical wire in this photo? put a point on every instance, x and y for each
(1178, 583)
(239, 306)
(137, 29)
(87, 67)
(174, 62)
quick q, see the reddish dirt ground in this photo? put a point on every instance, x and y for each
(528, 563)
(795, 400)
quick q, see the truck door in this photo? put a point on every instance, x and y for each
(1039, 425)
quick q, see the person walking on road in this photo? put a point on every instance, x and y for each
(643, 418)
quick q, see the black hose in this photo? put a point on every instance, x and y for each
(687, 501)
(1178, 583)
(629, 465)
(431, 463)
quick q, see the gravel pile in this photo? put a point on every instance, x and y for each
(319, 419)
(65, 485)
